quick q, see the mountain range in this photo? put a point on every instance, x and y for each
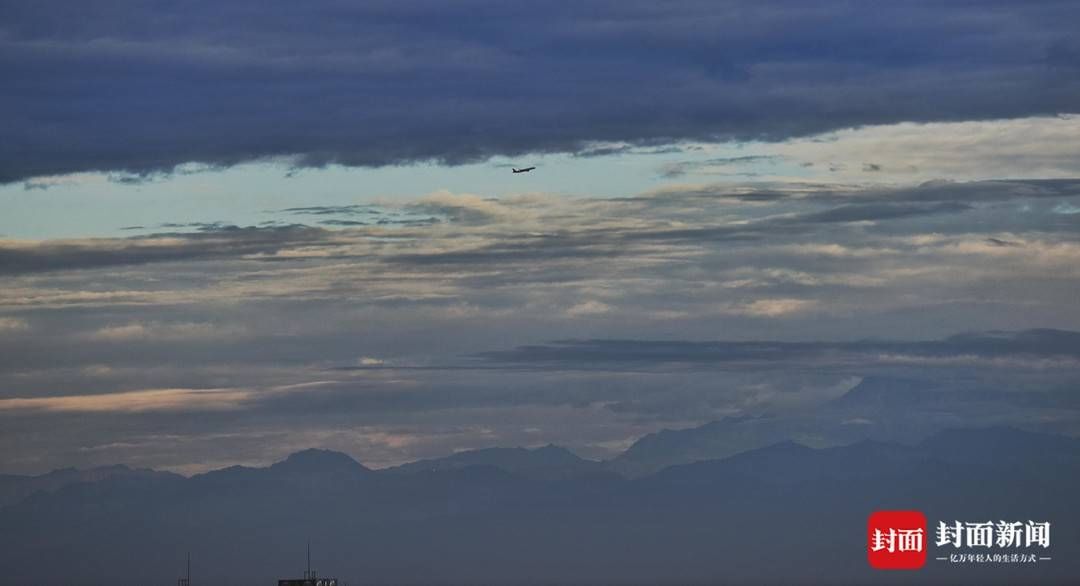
(781, 513)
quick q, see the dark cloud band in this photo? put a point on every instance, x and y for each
(142, 87)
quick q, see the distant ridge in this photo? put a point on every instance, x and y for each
(14, 488)
(545, 463)
(473, 522)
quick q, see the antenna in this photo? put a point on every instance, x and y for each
(186, 581)
(308, 573)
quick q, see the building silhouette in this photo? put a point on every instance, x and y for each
(310, 578)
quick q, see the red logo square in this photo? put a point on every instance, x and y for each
(896, 540)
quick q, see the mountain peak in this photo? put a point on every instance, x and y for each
(318, 460)
(879, 392)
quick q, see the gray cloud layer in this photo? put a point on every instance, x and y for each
(141, 87)
(1026, 345)
(402, 340)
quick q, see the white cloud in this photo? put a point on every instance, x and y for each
(466, 208)
(1044, 147)
(164, 332)
(778, 307)
(588, 308)
(13, 324)
(910, 152)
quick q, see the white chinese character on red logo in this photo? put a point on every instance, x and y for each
(886, 541)
(910, 540)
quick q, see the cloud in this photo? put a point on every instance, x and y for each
(935, 191)
(13, 324)
(1032, 349)
(605, 150)
(464, 208)
(911, 152)
(387, 84)
(906, 153)
(682, 305)
(672, 170)
(162, 332)
(133, 401)
(215, 241)
(881, 211)
(778, 307)
(586, 308)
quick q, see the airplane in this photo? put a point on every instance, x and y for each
(525, 170)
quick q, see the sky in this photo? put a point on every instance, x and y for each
(232, 231)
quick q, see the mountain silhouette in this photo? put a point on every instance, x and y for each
(878, 408)
(15, 488)
(781, 513)
(718, 439)
(546, 463)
